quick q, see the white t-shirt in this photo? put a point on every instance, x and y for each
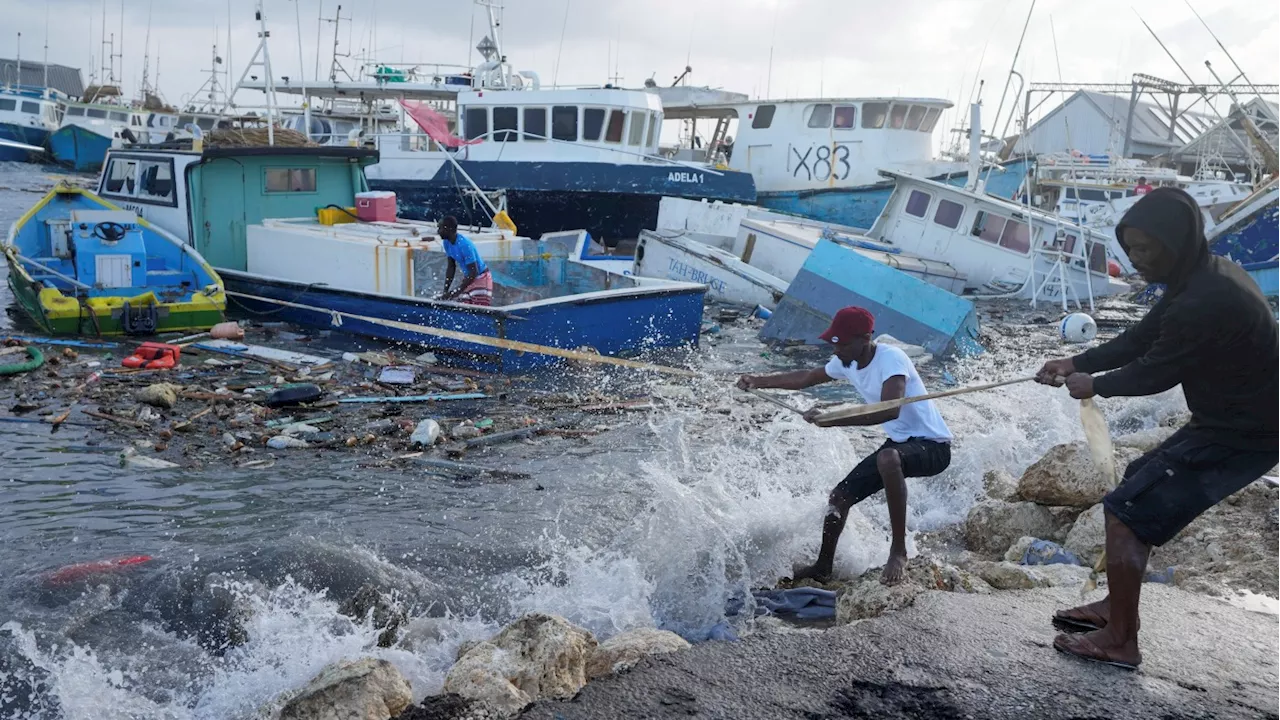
(918, 419)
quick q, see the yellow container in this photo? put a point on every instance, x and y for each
(334, 216)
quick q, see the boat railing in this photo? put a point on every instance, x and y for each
(406, 144)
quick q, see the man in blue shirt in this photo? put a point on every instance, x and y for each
(477, 283)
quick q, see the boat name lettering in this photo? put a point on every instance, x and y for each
(693, 274)
(829, 162)
(685, 177)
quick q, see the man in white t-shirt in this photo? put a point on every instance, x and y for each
(919, 443)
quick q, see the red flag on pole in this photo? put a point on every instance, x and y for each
(434, 124)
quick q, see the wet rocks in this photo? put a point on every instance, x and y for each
(384, 612)
(1011, 576)
(867, 597)
(365, 689)
(1000, 485)
(537, 656)
(1144, 440)
(1088, 536)
(993, 525)
(1066, 476)
(623, 651)
(161, 395)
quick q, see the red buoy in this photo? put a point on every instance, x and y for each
(1113, 268)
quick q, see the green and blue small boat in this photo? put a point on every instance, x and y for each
(79, 265)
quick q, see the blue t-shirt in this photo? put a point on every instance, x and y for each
(464, 252)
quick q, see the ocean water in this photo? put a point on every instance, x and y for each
(657, 522)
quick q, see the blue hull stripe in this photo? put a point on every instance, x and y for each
(26, 135)
(859, 207)
(620, 325)
(611, 201)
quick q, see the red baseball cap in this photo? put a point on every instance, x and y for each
(849, 322)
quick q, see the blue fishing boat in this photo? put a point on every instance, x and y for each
(27, 117)
(1267, 275)
(820, 158)
(1248, 232)
(264, 216)
(81, 265)
(90, 129)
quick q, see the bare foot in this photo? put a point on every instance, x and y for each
(1101, 646)
(893, 570)
(813, 572)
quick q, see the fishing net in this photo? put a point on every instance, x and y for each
(255, 137)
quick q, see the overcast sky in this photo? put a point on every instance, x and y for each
(828, 48)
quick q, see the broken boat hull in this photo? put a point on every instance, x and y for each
(909, 309)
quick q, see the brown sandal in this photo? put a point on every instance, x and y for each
(1088, 620)
(1082, 647)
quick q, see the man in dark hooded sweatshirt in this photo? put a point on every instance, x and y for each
(1212, 332)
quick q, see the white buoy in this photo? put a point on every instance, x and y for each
(1078, 328)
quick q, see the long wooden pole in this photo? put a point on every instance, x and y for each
(850, 411)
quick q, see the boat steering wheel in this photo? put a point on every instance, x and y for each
(109, 231)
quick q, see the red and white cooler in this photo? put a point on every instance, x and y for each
(376, 206)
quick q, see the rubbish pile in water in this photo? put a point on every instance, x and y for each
(244, 402)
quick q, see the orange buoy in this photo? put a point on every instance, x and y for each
(1113, 268)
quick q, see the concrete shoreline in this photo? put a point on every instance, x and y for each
(958, 655)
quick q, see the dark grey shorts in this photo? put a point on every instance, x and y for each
(920, 458)
(1164, 490)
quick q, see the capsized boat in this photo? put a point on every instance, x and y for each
(81, 265)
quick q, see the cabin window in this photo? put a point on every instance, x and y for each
(505, 126)
(930, 120)
(477, 122)
(763, 117)
(564, 122)
(75, 112)
(948, 214)
(1069, 245)
(914, 117)
(136, 121)
(918, 203)
(820, 116)
(8, 104)
(156, 182)
(654, 123)
(988, 227)
(185, 120)
(1098, 257)
(290, 180)
(95, 113)
(535, 124)
(31, 108)
(592, 124)
(635, 133)
(1016, 237)
(613, 132)
(119, 117)
(51, 113)
(845, 117)
(898, 116)
(120, 177)
(874, 114)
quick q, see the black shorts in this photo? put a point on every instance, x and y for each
(1164, 490)
(920, 458)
